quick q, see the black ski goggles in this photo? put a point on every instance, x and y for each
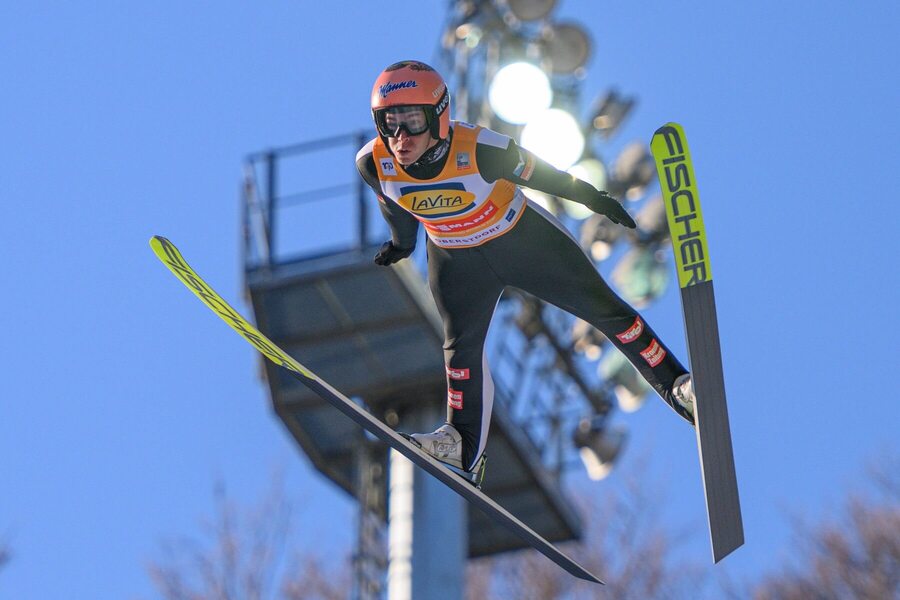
(414, 120)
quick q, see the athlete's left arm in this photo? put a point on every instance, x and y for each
(499, 157)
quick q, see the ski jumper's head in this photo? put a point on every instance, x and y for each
(411, 109)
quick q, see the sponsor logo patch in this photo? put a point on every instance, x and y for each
(462, 161)
(436, 201)
(444, 202)
(455, 399)
(387, 167)
(458, 373)
(633, 332)
(484, 214)
(525, 167)
(442, 104)
(475, 238)
(654, 353)
(682, 205)
(388, 88)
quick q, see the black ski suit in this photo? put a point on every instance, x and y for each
(536, 254)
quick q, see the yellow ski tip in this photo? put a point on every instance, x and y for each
(669, 126)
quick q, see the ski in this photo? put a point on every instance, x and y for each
(172, 258)
(679, 188)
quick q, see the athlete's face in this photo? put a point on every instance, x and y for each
(409, 148)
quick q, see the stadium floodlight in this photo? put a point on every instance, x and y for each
(599, 235)
(598, 445)
(555, 136)
(592, 171)
(543, 200)
(652, 221)
(609, 112)
(530, 10)
(470, 33)
(587, 339)
(641, 276)
(519, 91)
(631, 389)
(576, 210)
(567, 46)
(634, 169)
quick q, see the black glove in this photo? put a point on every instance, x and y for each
(604, 204)
(389, 254)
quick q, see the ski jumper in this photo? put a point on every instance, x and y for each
(483, 235)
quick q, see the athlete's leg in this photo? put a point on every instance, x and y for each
(544, 260)
(466, 291)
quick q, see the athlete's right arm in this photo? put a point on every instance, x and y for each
(404, 227)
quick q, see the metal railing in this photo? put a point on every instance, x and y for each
(267, 197)
(538, 374)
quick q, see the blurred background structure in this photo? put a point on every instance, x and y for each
(124, 401)
(375, 334)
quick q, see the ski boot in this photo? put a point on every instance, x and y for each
(683, 393)
(445, 445)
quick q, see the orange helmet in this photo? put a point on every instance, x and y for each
(412, 83)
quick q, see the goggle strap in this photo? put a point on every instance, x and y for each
(442, 104)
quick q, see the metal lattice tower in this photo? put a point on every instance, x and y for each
(316, 303)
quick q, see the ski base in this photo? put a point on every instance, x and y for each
(713, 430)
(676, 176)
(172, 258)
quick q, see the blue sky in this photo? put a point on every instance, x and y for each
(122, 401)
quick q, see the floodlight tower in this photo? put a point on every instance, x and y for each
(550, 405)
(519, 70)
